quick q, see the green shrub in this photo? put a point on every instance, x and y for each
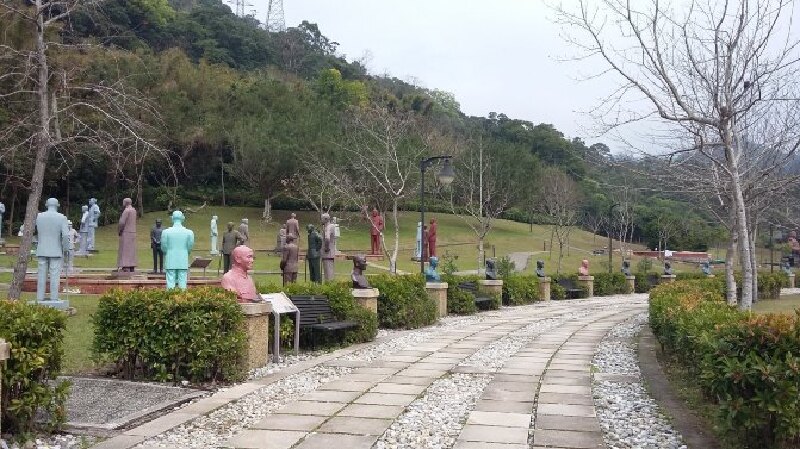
(693, 276)
(36, 335)
(607, 284)
(196, 335)
(505, 267)
(343, 306)
(448, 264)
(459, 302)
(521, 289)
(644, 265)
(403, 302)
(557, 292)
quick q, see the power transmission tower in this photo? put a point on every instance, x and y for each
(239, 7)
(275, 20)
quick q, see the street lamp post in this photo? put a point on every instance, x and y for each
(610, 241)
(446, 175)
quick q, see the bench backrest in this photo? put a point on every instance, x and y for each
(313, 309)
(469, 286)
(567, 283)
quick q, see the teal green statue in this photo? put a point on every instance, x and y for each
(177, 243)
(430, 273)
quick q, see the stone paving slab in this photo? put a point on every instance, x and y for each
(312, 408)
(386, 399)
(407, 380)
(494, 434)
(576, 389)
(290, 422)
(266, 439)
(347, 385)
(565, 410)
(522, 420)
(485, 445)
(331, 396)
(356, 426)
(568, 439)
(372, 411)
(488, 405)
(575, 423)
(566, 398)
(336, 441)
(386, 387)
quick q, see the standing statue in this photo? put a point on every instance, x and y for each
(357, 276)
(667, 269)
(431, 275)
(53, 232)
(491, 270)
(177, 243)
(289, 258)
(2, 212)
(418, 248)
(214, 235)
(281, 239)
(244, 231)
(126, 255)
(84, 232)
(72, 236)
(328, 247)
(706, 268)
(230, 240)
(432, 238)
(626, 268)
(293, 227)
(155, 245)
(584, 268)
(237, 279)
(313, 254)
(376, 231)
(94, 222)
(540, 269)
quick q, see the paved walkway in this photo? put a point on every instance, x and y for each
(534, 389)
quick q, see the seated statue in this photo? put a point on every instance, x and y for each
(584, 268)
(430, 273)
(491, 270)
(626, 268)
(359, 266)
(540, 268)
(667, 269)
(237, 280)
(706, 267)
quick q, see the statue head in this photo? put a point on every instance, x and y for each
(158, 222)
(359, 263)
(92, 201)
(243, 258)
(374, 212)
(84, 208)
(792, 235)
(667, 268)
(310, 228)
(178, 217)
(293, 215)
(51, 204)
(626, 268)
(230, 226)
(69, 223)
(326, 218)
(126, 202)
(540, 268)
(245, 220)
(359, 266)
(433, 221)
(433, 262)
(584, 268)
(585, 263)
(214, 217)
(491, 269)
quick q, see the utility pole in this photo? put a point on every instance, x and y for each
(276, 22)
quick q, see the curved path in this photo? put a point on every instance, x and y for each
(512, 379)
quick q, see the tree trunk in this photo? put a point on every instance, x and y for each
(754, 262)
(560, 255)
(744, 245)
(730, 280)
(42, 154)
(480, 253)
(396, 248)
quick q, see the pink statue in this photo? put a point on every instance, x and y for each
(237, 280)
(293, 227)
(376, 229)
(432, 238)
(126, 256)
(584, 269)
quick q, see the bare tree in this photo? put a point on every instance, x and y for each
(704, 69)
(560, 201)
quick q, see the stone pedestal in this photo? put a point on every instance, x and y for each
(5, 354)
(256, 317)
(587, 283)
(631, 280)
(791, 280)
(367, 298)
(544, 288)
(492, 287)
(668, 278)
(437, 291)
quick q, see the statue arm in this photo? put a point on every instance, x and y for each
(65, 239)
(190, 244)
(123, 220)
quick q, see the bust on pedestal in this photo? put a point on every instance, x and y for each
(585, 279)
(668, 277)
(237, 278)
(544, 282)
(53, 232)
(365, 296)
(629, 277)
(436, 289)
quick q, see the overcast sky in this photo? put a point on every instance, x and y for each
(494, 55)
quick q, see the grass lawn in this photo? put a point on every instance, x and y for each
(786, 304)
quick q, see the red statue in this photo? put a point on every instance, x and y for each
(432, 239)
(376, 229)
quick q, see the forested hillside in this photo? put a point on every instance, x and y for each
(282, 116)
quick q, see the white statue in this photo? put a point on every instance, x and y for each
(94, 222)
(214, 235)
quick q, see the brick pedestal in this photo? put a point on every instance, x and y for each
(544, 288)
(492, 287)
(791, 280)
(257, 322)
(668, 278)
(587, 283)
(5, 354)
(631, 280)
(367, 298)
(437, 291)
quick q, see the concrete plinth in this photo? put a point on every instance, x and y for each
(493, 287)
(5, 354)
(631, 280)
(544, 288)
(791, 280)
(367, 298)
(256, 316)
(668, 278)
(587, 282)
(437, 291)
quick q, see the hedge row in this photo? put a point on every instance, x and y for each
(749, 365)
(769, 284)
(403, 302)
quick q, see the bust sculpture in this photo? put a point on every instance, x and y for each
(491, 270)
(584, 268)
(431, 275)
(214, 235)
(786, 267)
(314, 253)
(359, 267)
(53, 232)
(667, 269)
(237, 279)
(540, 268)
(126, 255)
(626, 268)
(706, 267)
(94, 222)
(177, 243)
(375, 231)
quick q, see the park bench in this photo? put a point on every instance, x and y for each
(317, 317)
(572, 290)
(482, 301)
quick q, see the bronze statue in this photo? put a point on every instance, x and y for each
(359, 267)
(626, 268)
(667, 269)
(540, 269)
(328, 247)
(706, 267)
(289, 258)
(314, 253)
(126, 256)
(491, 270)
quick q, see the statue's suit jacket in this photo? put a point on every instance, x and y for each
(177, 242)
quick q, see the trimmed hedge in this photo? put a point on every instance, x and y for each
(607, 284)
(749, 365)
(196, 335)
(343, 306)
(36, 335)
(521, 289)
(403, 302)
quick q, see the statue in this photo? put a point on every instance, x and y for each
(53, 232)
(230, 240)
(432, 238)
(236, 279)
(281, 239)
(706, 267)
(72, 236)
(293, 227)
(84, 232)
(289, 258)
(214, 235)
(94, 222)
(313, 254)
(786, 267)
(244, 231)
(126, 255)
(328, 247)
(540, 269)
(626, 268)
(155, 245)
(430, 273)
(177, 243)
(375, 231)
(359, 267)
(491, 270)
(667, 269)
(418, 248)
(2, 212)
(584, 268)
